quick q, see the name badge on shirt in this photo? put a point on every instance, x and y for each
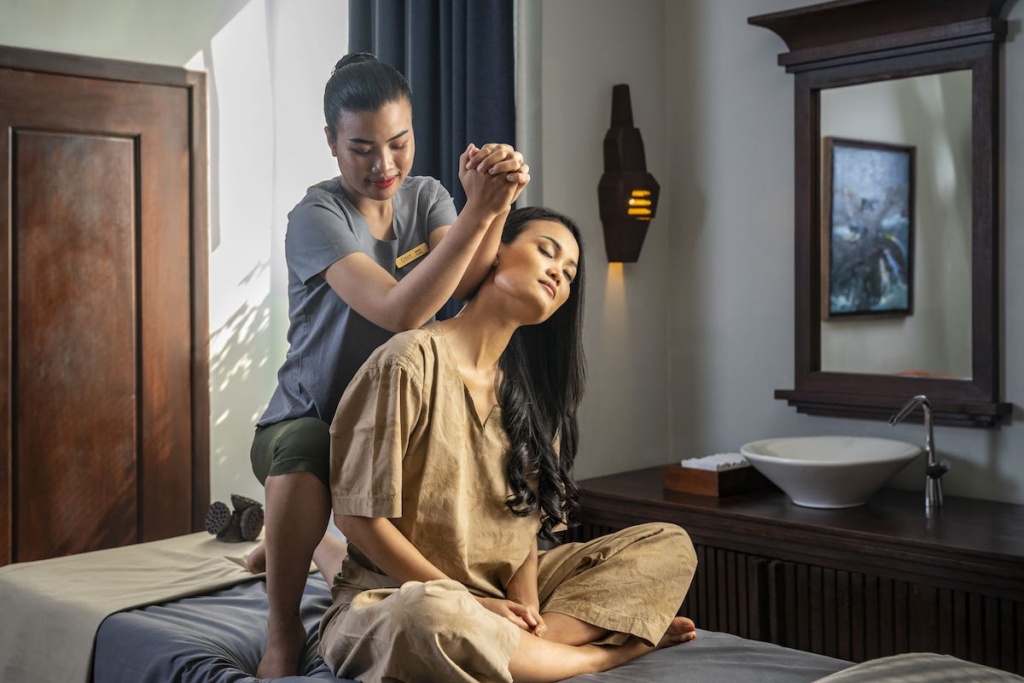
(411, 255)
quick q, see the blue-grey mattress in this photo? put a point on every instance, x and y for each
(213, 638)
(218, 638)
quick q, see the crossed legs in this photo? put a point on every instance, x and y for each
(438, 631)
(605, 602)
(587, 588)
(540, 660)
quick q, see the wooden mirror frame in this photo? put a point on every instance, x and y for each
(850, 42)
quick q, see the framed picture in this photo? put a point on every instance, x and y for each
(867, 229)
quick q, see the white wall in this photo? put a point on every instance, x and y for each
(134, 30)
(267, 69)
(587, 47)
(731, 324)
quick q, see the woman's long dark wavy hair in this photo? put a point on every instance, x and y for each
(361, 82)
(543, 374)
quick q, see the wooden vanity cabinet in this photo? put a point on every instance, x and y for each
(855, 584)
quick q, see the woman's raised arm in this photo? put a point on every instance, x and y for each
(460, 255)
(498, 160)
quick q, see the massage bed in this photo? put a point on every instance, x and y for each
(186, 610)
(218, 638)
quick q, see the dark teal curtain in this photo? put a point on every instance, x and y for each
(459, 57)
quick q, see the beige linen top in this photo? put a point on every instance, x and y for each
(407, 444)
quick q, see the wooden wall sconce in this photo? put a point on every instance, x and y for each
(627, 193)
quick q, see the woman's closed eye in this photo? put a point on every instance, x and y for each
(544, 249)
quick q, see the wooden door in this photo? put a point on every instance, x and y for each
(104, 405)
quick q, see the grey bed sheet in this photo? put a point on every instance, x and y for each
(212, 638)
(218, 638)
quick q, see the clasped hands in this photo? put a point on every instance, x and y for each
(525, 617)
(494, 174)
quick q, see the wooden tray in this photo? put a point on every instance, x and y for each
(709, 483)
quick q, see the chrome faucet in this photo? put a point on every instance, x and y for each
(933, 468)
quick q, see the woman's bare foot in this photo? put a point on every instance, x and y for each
(256, 561)
(540, 659)
(681, 630)
(281, 658)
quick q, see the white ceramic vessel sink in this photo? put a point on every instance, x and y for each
(829, 471)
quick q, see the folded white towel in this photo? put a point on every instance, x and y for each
(719, 462)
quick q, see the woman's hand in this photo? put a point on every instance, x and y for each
(496, 159)
(522, 179)
(493, 175)
(525, 617)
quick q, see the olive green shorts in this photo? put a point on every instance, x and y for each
(302, 445)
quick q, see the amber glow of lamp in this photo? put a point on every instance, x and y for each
(627, 194)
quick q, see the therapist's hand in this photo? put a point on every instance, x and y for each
(485, 191)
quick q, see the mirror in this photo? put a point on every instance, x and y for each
(932, 115)
(896, 189)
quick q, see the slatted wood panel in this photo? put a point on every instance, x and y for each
(847, 615)
(855, 616)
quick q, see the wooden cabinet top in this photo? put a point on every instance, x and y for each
(967, 536)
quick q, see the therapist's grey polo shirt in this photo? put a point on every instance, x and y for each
(327, 340)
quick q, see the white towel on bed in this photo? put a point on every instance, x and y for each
(50, 609)
(920, 667)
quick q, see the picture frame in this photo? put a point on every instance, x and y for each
(868, 227)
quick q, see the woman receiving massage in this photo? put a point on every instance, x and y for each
(451, 452)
